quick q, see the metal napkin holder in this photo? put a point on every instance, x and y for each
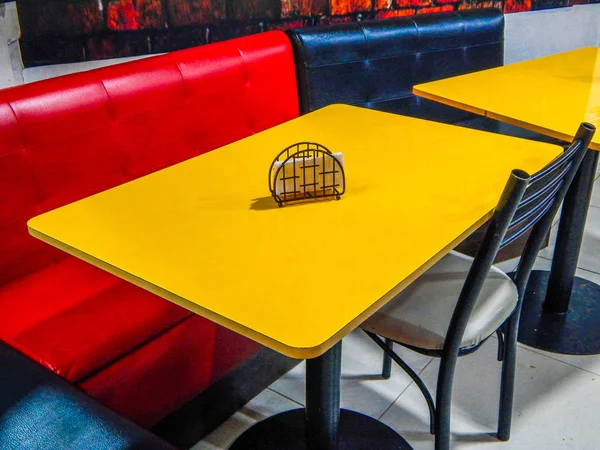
(306, 170)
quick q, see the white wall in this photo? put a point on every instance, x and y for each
(540, 33)
(42, 72)
(597, 29)
(11, 67)
(528, 35)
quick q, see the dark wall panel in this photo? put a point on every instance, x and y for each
(59, 31)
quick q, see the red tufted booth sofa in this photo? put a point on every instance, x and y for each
(69, 137)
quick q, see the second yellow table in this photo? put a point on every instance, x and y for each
(552, 96)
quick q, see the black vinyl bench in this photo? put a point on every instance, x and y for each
(40, 410)
(376, 63)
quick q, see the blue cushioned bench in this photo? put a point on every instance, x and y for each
(376, 63)
(40, 410)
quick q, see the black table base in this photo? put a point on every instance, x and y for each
(287, 431)
(576, 332)
(322, 425)
(561, 312)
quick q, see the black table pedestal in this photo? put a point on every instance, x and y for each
(576, 332)
(561, 312)
(322, 425)
(287, 431)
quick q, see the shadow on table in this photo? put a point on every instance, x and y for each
(267, 203)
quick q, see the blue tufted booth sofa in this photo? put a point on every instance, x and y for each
(375, 64)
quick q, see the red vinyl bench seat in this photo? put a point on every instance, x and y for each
(69, 137)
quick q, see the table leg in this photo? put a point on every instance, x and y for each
(323, 399)
(322, 425)
(561, 312)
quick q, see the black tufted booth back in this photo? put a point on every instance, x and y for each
(376, 63)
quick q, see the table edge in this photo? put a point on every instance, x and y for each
(287, 350)
(541, 130)
(499, 117)
(446, 101)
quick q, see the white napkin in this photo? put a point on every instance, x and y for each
(305, 175)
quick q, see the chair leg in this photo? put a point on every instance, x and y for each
(386, 370)
(507, 383)
(411, 373)
(444, 402)
(501, 350)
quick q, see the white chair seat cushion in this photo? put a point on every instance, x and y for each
(419, 316)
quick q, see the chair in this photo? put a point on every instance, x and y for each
(461, 301)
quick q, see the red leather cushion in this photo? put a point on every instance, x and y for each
(19, 200)
(18, 190)
(53, 109)
(67, 133)
(159, 377)
(66, 138)
(146, 100)
(230, 349)
(31, 300)
(65, 174)
(78, 318)
(236, 90)
(69, 137)
(20, 254)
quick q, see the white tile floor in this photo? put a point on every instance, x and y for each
(556, 402)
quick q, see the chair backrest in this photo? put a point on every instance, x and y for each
(376, 63)
(527, 202)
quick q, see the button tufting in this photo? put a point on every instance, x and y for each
(424, 47)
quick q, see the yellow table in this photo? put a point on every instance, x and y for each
(206, 234)
(552, 96)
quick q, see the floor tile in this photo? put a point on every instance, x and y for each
(556, 397)
(476, 383)
(589, 258)
(553, 404)
(596, 194)
(543, 263)
(266, 404)
(587, 362)
(362, 387)
(549, 250)
(409, 417)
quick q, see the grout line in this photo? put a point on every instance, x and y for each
(286, 397)
(578, 267)
(475, 419)
(486, 425)
(588, 270)
(395, 400)
(405, 389)
(542, 353)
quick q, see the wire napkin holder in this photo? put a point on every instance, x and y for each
(306, 170)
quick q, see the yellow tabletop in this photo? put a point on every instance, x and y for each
(550, 95)
(206, 234)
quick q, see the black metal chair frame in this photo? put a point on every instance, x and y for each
(527, 202)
